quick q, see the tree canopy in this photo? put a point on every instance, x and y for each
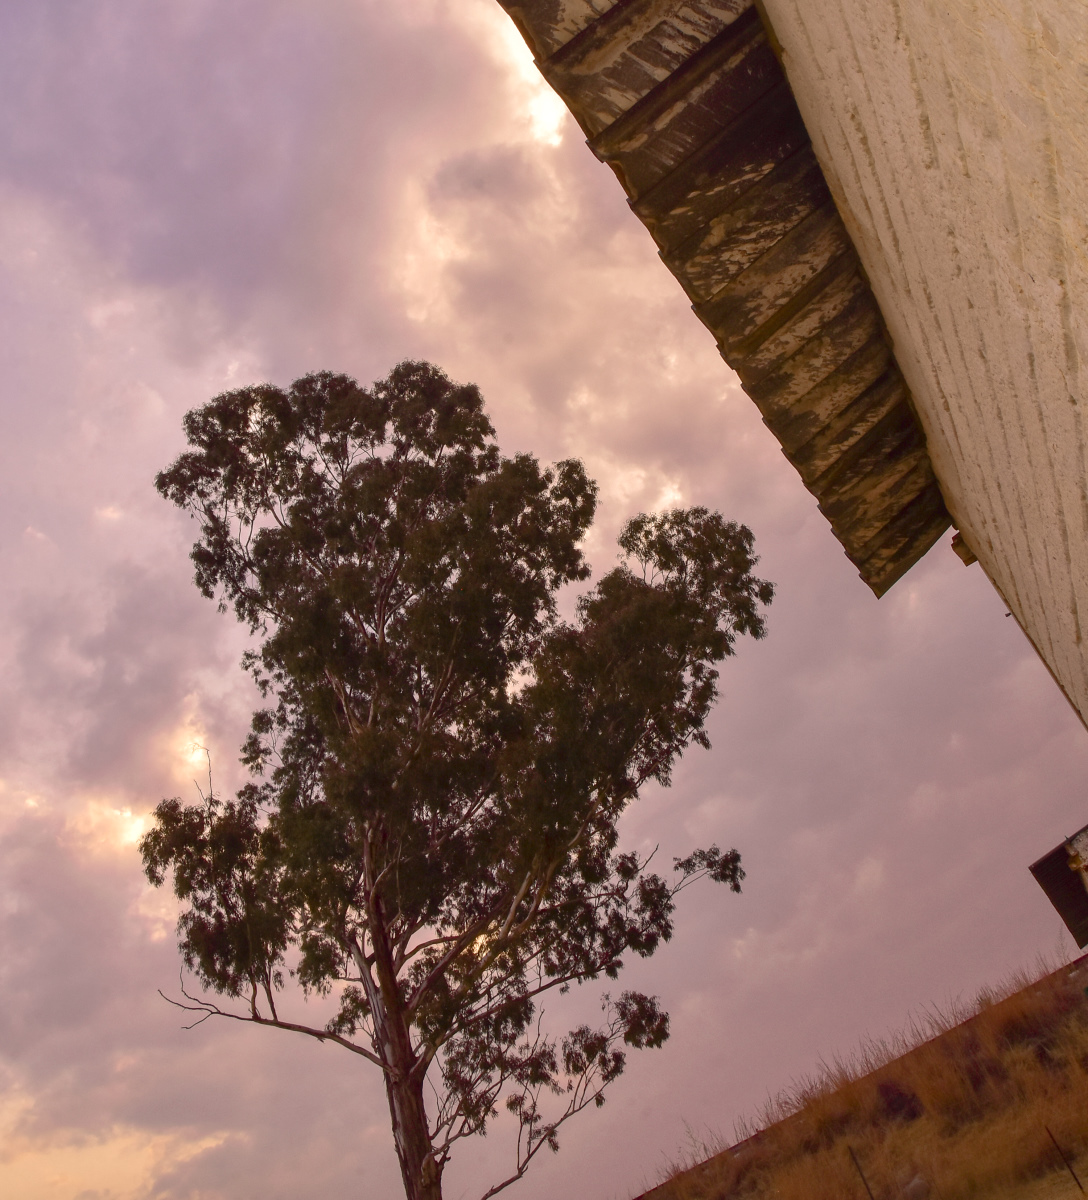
(429, 839)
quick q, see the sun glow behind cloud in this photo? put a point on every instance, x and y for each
(101, 827)
(546, 115)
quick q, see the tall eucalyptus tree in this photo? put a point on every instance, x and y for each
(430, 835)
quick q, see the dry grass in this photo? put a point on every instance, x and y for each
(957, 1106)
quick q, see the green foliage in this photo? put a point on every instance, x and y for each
(430, 834)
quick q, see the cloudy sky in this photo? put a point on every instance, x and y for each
(205, 193)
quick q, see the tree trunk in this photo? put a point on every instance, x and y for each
(403, 1081)
(422, 1179)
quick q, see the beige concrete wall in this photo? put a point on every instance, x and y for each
(954, 136)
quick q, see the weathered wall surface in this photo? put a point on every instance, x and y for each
(953, 136)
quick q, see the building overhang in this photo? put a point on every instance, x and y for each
(880, 211)
(688, 103)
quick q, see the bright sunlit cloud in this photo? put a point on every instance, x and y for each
(547, 115)
(121, 1164)
(103, 827)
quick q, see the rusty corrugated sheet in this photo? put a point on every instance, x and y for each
(687, 103)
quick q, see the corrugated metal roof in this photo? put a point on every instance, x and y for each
(687, 102)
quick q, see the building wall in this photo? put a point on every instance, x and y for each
(953, 136)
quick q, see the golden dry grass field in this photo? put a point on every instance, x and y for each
(977, 1104)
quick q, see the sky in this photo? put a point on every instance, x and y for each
(209, 193)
